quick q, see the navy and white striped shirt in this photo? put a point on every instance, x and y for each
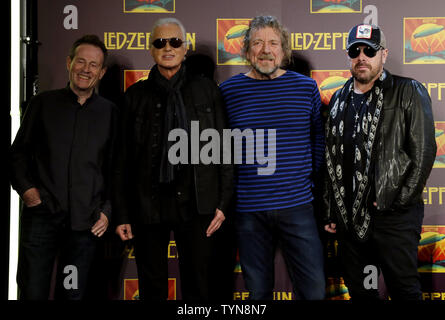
(290, 104)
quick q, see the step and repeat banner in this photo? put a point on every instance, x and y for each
(415, 32)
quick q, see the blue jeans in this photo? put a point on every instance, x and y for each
(295, 230)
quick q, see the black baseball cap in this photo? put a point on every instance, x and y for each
(368, 34)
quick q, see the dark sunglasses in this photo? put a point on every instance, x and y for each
(354, 51)
(162, 42)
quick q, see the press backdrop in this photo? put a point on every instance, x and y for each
(415, 32)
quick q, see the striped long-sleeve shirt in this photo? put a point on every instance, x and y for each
(290, 104)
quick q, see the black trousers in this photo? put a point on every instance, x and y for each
(194, 254)
(392, 248)
(45, 236)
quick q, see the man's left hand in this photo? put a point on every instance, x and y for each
(100, 226)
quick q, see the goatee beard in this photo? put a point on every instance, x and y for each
(265, 73)
(365, 79)
(362, 80)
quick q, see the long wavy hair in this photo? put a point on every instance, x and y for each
(260, 22)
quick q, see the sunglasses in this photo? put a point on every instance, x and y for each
(162, 42)
(354, 51)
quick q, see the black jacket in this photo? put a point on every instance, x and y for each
(65, 151)
(136, 196)
(405, 147)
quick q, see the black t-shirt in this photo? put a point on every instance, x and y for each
(348, 145)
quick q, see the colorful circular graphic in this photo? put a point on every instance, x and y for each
(428, 38)
(149, 8)
(431, 253)
(329, 86)
(233, 40)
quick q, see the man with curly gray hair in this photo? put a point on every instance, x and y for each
(276, 208)
(262, 22)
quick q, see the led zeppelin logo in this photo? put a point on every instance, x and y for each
(133, 76)
(431, 252)
(336, 6)
(440, 142)
(131, 289)
(329, 81)
(230, 34)
(149, 6)
(424, 40)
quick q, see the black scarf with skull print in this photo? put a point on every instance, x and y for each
(356, 219)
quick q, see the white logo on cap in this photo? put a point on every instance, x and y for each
(364, 32)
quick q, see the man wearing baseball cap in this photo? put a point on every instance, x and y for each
(380, 148)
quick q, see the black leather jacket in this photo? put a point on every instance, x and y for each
(405, 147)
(136, 194)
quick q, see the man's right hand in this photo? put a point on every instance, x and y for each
(331, 228)
(31, 197)
(124, 232)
